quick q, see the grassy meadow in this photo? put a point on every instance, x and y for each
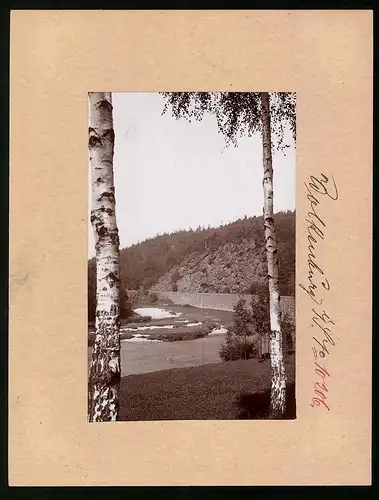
(221, 391)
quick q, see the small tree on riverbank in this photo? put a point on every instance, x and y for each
(240, 341)
(260, 306)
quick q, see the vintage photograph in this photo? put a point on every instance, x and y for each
(191, 256)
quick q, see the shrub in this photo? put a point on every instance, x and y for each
(133, 295)
(239, 343)
(126, 310)
(175, 334)
(260, 306)
(257, 289)
(187, 337)
(136, 318)
(237, 347)
(288, 330)
(257, 405)
(200, 335)
(211, 324)
(242, 318)
(174, 287)
(153, 298)
(126, 335)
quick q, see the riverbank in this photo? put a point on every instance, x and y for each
(148, 354)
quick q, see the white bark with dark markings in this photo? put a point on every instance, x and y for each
(278, 380)
(104, 376)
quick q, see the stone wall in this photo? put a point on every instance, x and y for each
(221, 301)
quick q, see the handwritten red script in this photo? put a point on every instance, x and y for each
(320, 387)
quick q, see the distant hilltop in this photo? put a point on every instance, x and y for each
(227, 259)
(230, 268)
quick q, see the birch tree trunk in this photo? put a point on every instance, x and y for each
(104, 376)
(278, 381)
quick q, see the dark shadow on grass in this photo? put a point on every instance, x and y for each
(256, 406)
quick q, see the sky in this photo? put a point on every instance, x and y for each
(171, 174)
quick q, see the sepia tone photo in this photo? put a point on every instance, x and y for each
(173, 172)
(191, 256)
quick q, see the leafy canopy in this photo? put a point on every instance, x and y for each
(238, 114)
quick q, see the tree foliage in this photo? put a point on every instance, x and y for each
(260, 306)
(238, 114)
(236, 347)
(240, 341)
(242, 319)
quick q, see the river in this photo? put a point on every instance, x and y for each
(146, 357)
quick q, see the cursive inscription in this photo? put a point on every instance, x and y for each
(315, 188)
(318, 189)
(323, 323)
(320, 387)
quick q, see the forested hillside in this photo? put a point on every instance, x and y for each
(234, 247)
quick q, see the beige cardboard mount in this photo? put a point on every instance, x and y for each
(56, 58)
